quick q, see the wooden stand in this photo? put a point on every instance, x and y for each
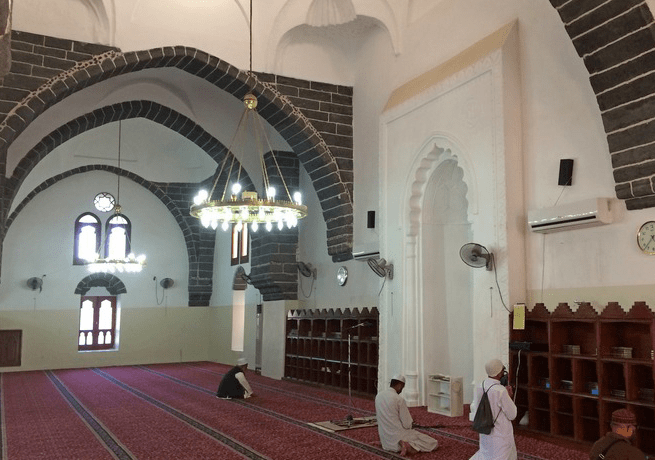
(445, 395)
(580, 367)
(317, 348)
(10, 347)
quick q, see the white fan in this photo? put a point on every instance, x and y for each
(380, 267)
(476, 256)
(306, 270)
(35, 283)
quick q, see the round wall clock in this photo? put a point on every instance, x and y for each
(646, 238)
(342, 275)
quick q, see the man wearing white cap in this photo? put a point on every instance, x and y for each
(234, 383)
(499, 444)
(395, 422)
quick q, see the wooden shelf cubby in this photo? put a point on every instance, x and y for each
(317, 349)
(581, 366)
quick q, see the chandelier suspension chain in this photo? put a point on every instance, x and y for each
(118, 174)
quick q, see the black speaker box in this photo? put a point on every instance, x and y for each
(370, 219)
(565, 172)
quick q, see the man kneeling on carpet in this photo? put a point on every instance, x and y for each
(395, 422)
(234, 384)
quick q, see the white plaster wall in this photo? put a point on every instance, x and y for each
(560, 119)
(362, 287)
(40, 241)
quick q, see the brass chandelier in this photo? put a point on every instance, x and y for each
(246, 207)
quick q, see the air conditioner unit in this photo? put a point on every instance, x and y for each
(366, 251)
(587, 213)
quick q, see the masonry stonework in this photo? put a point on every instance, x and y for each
(314, 118)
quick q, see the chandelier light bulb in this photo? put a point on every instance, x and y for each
(239, 226)
(254, 226)
(270, 193)
(297, 197)
(202, 195)
(214, 224)
(269, 226)
(225, 226)
(205, 220)
(280, 224)
(236, 188)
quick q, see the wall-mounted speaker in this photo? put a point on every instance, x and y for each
(565, 172)
(370, 219)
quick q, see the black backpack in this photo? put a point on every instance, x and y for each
(484, 420)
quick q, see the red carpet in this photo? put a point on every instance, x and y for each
(169, 411)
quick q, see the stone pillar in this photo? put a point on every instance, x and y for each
(411, 330)
(274, 336)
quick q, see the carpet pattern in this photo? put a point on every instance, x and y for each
(169, 411)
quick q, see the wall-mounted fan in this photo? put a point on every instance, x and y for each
(381, 268)
(35, 283)
(166, 283)
(306, 270)
(476, 256)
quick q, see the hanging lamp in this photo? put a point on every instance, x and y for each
(111, 264)
(246, 207)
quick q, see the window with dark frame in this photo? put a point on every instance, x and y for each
(240, 248)
(97, 323)
(87, 238)
(118, 232)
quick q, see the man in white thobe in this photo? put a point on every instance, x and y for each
(395, 422)
(499, 444)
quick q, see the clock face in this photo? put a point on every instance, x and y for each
(646, 238)
(342, 275)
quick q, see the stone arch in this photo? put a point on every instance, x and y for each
(616, 43)
(199, 241)
(112, 283)
(435, 151)
(121, 111)
(306, 142)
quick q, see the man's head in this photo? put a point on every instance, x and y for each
(495, 368)
(397, 383)
(624, 423)
(242, 363)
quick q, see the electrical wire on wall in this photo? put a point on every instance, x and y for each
(382, 287)
(311, 288)
(543, 250)
(163, 292)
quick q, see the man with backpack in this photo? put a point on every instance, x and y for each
(616, 444)
(498, 444)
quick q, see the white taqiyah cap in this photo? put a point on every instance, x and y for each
(493, 367)
(242, 361)
(399, 377)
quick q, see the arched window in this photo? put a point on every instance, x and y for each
(117, 237)
(240, 245)
(97, 323)
(87, 238)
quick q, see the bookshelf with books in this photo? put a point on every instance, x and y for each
(333, 347)
(573, 369)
